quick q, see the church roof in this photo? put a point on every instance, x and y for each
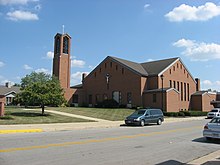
(152, 68)
(5, 90)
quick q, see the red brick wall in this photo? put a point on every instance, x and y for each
(172, 101)
(178, 73)
(121, 79)
(206, 99)
(196, 102)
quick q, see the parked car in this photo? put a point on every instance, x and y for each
(214, 112)
(145, 116)
(212, 129)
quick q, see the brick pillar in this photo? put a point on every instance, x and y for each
(2, 108)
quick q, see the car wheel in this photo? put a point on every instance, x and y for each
(142, 123)
(159, 122)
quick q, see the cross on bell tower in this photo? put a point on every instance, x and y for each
(61, 60)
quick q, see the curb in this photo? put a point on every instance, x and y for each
(20, 131)
(211, 159)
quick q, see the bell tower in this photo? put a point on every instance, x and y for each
(61, 60)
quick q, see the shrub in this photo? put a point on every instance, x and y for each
(109, 103)
(185, 113)
(6, 118)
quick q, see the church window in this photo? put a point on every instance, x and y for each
(154, 98)
(57, 47)
(65, 45)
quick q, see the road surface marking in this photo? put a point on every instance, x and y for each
(97, 140)
(20, 131)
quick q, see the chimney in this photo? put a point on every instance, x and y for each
(197, 84)
(8, 84)
(83, 76)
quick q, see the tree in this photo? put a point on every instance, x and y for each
(40, 89)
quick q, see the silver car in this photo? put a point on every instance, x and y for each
(214, 112)
(212, 129)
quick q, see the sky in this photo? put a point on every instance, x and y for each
(135, 30)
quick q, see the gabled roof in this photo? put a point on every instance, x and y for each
(201, 93)
(152, 68)
(160, 90)
(5, 90)
(156, 67)
(131, 65)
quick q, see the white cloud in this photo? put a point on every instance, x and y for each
(192, 13)
(199, 51)
(6, 80)
(43, 70)
(22, 16)
(217, 83)
(49, 55)
(146, 6)
(77, 63)
(27, 67)
(2, 64)
(76, 78)
(207, 82)
(16, 2)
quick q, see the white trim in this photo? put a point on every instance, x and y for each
(173, 64)
(168, 67)
(9, 93)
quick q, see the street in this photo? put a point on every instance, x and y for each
(178, 142)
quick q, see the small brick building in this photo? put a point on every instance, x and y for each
(165, 84)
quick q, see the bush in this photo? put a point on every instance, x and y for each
(6, 118)
(109, 103)
(185, 113)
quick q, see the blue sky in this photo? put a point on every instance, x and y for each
(136, 30)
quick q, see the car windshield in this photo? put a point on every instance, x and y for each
(214, 110)
(139, 112)
(215, 120)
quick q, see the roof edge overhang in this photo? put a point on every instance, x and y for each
(178, 59)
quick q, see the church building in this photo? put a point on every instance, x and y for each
(165, 84)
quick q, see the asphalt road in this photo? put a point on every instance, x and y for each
(170, 143)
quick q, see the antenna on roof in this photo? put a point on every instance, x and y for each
(63, 28)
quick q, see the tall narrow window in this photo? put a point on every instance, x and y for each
(122, 70)
(181, 91)
(188, 91)
(174, 84)
(185, 91)
(65, 45)
(170, 83)
(178, 86)
(129, 97)
(57, 50)
(90, 99)
(111, 64)
(154, 98)
(75, 98)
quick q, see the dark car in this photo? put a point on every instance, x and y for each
(145, 116)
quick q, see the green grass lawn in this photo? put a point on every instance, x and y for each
(101, 113)
(20, 116)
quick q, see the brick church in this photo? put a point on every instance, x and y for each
(165, 84)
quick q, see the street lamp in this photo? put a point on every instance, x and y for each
(162, 76)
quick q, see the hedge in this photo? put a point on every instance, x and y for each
(185, 113)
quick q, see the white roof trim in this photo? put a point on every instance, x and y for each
(9, 93)
(173, 64)
(174, 90)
